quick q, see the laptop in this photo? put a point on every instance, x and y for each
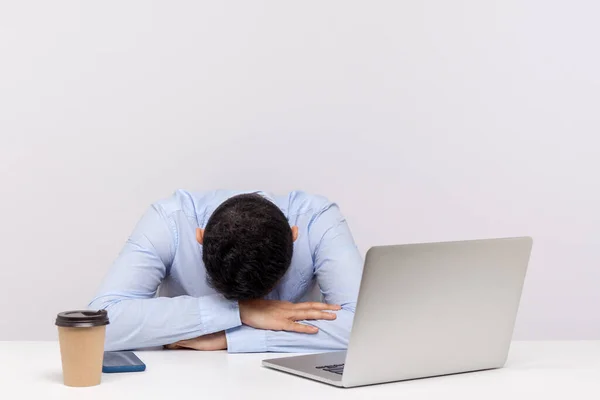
(426, 310)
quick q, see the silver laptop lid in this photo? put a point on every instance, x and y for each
(436, 308)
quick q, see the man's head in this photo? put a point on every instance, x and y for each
(247, 247)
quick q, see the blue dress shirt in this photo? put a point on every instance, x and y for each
(156, 291)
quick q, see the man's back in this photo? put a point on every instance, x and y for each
(164, 252)
(189, 211)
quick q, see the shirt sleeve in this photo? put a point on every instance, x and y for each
(338, 268)
(137, 317)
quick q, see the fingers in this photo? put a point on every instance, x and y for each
(184, 344)
(298, 315)
(300, 328)
(315, 305)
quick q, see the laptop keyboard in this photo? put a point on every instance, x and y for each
(334, 368)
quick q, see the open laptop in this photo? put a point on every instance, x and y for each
(426, 310)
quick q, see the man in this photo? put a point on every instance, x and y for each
(232, 271)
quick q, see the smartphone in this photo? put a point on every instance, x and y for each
(122, 361)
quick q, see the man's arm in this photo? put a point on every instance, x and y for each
(338, 267)
(138, 318)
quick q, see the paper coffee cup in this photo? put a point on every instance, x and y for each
(81, 336)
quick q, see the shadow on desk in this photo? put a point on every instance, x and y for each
(55, 377)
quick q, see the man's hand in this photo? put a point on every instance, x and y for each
(214, 341)
(282, 315)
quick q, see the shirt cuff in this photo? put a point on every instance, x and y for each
(218, 314)
(245, 339)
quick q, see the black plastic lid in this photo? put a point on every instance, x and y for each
(82, 318)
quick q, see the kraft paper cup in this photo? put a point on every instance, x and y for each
(81, 335)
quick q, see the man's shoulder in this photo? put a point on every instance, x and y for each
(305, 203)
(192, 203)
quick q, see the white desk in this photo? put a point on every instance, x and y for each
(535, 370)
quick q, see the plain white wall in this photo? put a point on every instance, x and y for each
(424, 120)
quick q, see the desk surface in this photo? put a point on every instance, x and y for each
(535, 370)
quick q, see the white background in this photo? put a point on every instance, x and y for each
(424, 120)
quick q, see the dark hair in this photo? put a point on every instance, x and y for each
(247, 247)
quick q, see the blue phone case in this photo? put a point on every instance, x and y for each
(121, 361)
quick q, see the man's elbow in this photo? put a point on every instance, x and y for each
(339, 330)
(103, 302)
